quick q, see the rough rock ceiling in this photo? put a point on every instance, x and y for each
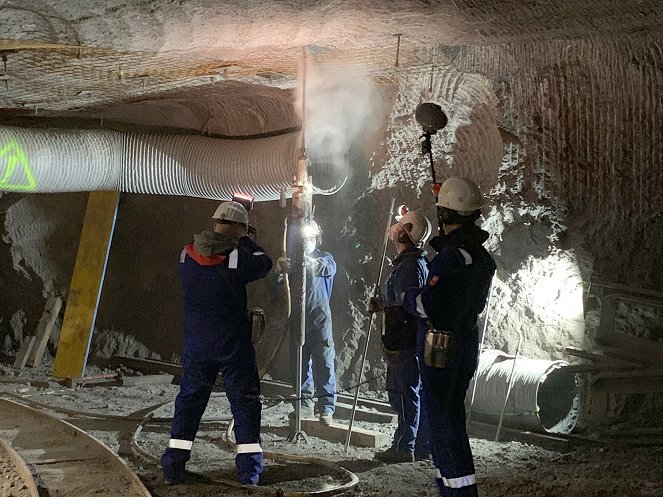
(73, 55)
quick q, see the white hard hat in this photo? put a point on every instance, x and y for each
(417, 226)
(231, 211)
(312, 229)
(461, 195)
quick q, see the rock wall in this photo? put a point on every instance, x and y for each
(563, 137)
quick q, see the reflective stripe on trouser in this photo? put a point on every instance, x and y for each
(174, 443)
(243, 390)
(457, 487)
(190, 405)
(242, 386)
(444, 401)
(249, 462)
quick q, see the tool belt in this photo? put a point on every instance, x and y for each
(438, 347)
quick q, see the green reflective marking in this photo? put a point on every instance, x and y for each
(16, 155)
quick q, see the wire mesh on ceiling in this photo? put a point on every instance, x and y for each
(51, 78)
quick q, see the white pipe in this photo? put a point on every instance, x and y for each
(508, 390)
(64, 160)
(544, 396)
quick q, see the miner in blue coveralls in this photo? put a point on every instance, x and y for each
(318, 355)
(214, 271)
(399, 338)
(455, 293)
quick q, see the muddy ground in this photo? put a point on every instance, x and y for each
(503, 469)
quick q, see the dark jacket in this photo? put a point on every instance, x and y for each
(410, 270)
(456, 291)
(214, 292)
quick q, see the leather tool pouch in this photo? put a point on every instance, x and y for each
(438, 347)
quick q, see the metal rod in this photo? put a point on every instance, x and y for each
(286, 278)
(304, 62)
(483, 339)
(508, 391)
(376, 293)
(301, 209)
(300, 348)
(398, 48)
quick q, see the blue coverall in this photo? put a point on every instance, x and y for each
(456, 292)
(217, 338)
(410, 270)
(318, 354)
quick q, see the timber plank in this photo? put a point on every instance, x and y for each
(86, 284)
(337, 432)
(24, 352)
(44, 329)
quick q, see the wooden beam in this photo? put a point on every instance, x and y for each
(150, 379)
(598, 366)
(86, 283)
(337, 432)
(44, 329)
(147, 365)
(648, 351)
(24, 352)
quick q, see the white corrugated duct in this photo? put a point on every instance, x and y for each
(64, 160)
(544, 396)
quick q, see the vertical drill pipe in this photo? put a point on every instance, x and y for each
(483, 339)
(301, 211)
(300, 343)
(286, 279)
(376, 293)
(508, 391)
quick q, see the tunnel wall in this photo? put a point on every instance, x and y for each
(563, 136)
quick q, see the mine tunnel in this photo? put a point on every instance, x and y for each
(136, 138)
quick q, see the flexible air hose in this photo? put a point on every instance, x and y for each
(544, 396)
(65, 160)
(275, 491)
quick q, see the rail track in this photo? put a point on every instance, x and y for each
(31, 428)
(60, 460)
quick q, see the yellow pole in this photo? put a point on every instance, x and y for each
(86, 284)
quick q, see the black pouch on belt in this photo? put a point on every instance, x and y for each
(438, 348)
(400, 329)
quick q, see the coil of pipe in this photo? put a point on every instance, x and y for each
(544, 397)
(66, 160)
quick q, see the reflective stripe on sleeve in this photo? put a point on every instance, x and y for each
(232, 260)
(466, 255)
(420, 307)
(463, 481)
(183, 255)
(180, 444)
(258, 253)
(248, 448)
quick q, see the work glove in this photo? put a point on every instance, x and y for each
(375, 304)
(282, 265)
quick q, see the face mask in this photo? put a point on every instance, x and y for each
(309, 246)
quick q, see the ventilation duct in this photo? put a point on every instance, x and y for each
(544, 397)
(61, 160)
